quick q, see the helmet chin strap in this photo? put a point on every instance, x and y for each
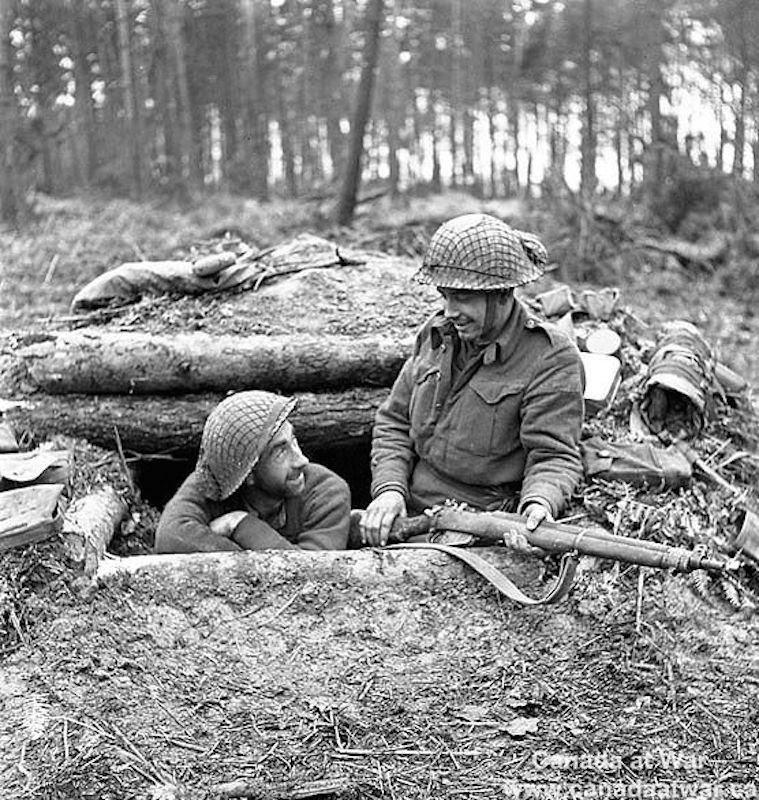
(495, 301)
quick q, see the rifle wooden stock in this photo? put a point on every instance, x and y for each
(556, 537)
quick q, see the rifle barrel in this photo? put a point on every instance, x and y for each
(560, 538)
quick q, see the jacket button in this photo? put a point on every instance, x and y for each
(530, 323)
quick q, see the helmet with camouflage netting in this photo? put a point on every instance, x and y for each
(235, 435)
(479, 252)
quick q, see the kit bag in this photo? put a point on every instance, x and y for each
(636, 463)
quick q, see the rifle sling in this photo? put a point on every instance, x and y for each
(497, 579)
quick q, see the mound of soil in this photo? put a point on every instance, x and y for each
(396, 674)
(376, 296)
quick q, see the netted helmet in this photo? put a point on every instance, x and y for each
(479, 252)
(236, 432)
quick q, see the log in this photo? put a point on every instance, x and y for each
(152, 424)
(89, 525)
(701, 254)
(99, 362)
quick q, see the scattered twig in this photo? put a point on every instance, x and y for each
(257, 790)
(50, 269)
(282, 608)
(122, 459)
(639, 601)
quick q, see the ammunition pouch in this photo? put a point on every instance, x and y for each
(635, 463)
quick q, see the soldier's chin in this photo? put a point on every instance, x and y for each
(296, 486)
(467, 332)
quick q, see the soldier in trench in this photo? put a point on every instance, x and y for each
(252, 487)
(488, 409)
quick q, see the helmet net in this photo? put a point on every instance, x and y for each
(235, 435)
(479, 252)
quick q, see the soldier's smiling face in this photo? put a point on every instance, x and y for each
(468, 311)
(280, 470)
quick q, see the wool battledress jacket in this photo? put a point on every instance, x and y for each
(316, 520)
(502, 434)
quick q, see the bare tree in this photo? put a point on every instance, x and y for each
(256, 117)
(11, 204)
(131, 103)
(352, 178)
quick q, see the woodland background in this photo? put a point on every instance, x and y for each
(652, 100)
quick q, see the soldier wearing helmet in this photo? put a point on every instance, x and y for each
(253, 489)
(488, 409)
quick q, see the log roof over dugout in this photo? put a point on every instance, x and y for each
(334, 334)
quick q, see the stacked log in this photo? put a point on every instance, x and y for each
(153, 393)
(103, 362)
(172, 424)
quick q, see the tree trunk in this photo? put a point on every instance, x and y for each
(453, 145)
(352, 178)
(654, 159)
(151, 424)
(588, 144)
(137, 363)
(393, 102)
(229, 100)
(436, 179)
(131, 105)
(622, 124)
(256, 118)
(112, 139)
(332, 76)
(163, 87)
(190, 171)
(84, 104)
(740, 130)
(743, 65)
(287, 138)
(513, 100)
(11, 201)
(492, 135)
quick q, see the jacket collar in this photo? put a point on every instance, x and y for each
(501, 348)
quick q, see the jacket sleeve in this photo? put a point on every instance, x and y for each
(326, 514)
(252, 533)
(184, 523)
(551, 428)
(393, 453)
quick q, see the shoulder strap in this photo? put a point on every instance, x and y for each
(496, 578)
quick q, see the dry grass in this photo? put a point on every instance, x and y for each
(74, 240)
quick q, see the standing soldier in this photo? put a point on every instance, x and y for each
(488, 409)
(253, 489)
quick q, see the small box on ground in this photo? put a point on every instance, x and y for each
(603, 374)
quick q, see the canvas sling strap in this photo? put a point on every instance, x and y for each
(496, 578)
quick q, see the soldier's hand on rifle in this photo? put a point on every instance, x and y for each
(379, 517)
(534, 514)
(515, 540)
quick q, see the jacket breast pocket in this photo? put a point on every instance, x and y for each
(491, 416)
(423, 397)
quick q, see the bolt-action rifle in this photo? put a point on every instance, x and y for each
(568, 540)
